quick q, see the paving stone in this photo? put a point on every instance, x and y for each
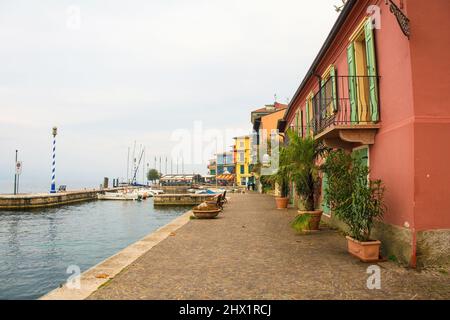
(251, 252)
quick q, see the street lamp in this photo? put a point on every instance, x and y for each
(53, 186)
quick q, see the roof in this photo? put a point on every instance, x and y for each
(277, 106)
(227, 153)
(225, 177)
(327, 44)
(178, 176)
(242, 137)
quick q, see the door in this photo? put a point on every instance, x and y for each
(362, 154)
(325, 205)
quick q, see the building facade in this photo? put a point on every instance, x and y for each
(374, 89)
(212, 167)
(264, 121)
(225, 163)
(242, 160)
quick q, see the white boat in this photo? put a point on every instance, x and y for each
(155, 192)
(144, 193)
(119, 196)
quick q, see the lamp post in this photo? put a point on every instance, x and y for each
(53, 186)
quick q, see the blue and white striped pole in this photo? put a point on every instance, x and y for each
(53, 186)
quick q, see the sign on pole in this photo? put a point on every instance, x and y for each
(18, 167)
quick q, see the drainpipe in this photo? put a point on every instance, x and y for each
(413, 260)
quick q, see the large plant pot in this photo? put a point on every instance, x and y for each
(314, 221)
(282, 203)
(366, 251)
(206, 214)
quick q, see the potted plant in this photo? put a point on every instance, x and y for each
(280, 179)
(303, 156)
(356, 200)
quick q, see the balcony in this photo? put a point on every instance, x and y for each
(346, 111)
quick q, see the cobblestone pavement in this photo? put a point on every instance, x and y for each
(251, 252)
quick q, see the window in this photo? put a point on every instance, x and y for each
(241, 156)
(362, 84)
(241, 144)
(242, 169)
(329, 92)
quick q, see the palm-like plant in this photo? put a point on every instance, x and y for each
(301, 157)
(282, 176)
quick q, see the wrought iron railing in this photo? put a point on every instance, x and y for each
(345, 100)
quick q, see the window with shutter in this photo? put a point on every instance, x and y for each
(362, 75)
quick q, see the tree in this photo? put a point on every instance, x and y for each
(354, 198)
(302, 156)
(153, 175)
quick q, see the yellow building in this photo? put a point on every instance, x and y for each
(242, 160)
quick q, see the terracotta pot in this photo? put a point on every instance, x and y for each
(366, 251)
(282, 203)
(314, 222)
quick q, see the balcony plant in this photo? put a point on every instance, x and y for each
(303, 156)
(356, 200)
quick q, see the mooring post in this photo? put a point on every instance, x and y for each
(53, 186)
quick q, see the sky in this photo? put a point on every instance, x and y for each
(178, 77)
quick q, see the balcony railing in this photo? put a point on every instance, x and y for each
(345, 100)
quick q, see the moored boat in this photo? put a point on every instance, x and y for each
(119, 196)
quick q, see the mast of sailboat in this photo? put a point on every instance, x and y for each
(134, 162)
(128, 166)
(143, 169)
(137, 167)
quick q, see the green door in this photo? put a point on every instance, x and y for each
(362, 154)
(325, 205)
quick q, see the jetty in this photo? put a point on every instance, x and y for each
(41, 200)
(179, 199)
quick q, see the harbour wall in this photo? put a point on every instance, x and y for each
(181, 199)
(41, 200)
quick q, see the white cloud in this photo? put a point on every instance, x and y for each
(141, 70)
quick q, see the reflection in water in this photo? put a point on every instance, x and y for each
(37, 246)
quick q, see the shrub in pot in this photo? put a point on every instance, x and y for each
(356, 200)
(281, 178)
(302, 156)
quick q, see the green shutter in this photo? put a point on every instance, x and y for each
(307, 119)
(301, 124)
(371, 70)
(325, 205)
(352, 82)
(334, 88)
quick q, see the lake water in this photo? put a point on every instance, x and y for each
(37, 247)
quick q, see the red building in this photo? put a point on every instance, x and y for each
(379, 87)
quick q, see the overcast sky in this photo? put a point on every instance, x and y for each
(108, 73)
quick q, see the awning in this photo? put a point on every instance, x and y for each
(225, 177)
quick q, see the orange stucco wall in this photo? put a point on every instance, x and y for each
(270, 121)
(410, 153)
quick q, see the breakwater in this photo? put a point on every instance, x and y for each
(41, 200)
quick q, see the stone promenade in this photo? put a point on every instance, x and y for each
(251, 252)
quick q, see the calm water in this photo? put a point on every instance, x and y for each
(36, 247)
